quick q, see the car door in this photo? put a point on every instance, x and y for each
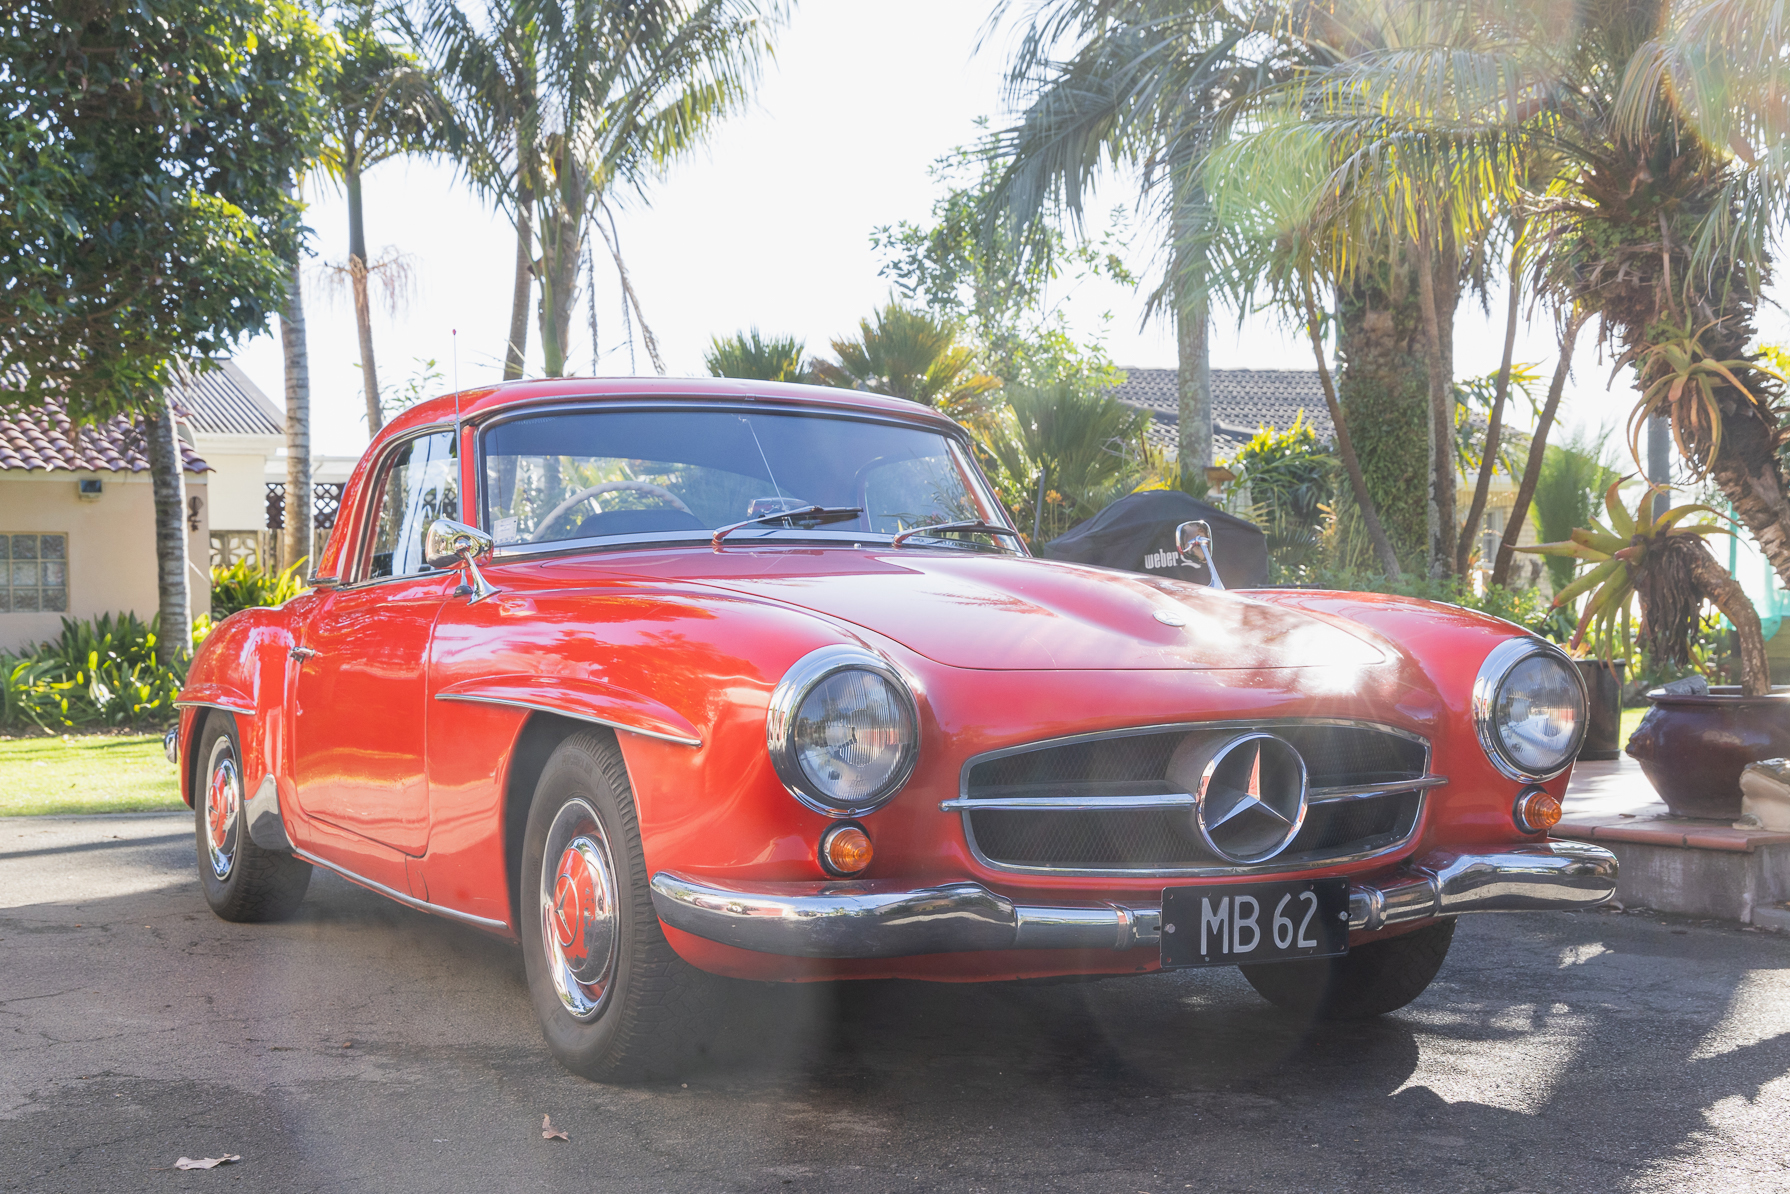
(359, 696)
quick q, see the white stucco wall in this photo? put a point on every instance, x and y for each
(111, 545)
(238, 481)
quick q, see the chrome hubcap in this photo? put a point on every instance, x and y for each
(578, 910)
(223, 804)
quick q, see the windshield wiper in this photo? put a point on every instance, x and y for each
(812, 515)
(967, 526)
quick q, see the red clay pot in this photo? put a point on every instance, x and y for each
(1693, 748)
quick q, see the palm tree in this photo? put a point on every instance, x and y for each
(597, 98)
(491, 68)
(751, 355)
(1060, 449)
(1667, 152)
(1160, 85)
(909, 354)
(381, 104)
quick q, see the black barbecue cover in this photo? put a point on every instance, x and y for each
(1137, 533)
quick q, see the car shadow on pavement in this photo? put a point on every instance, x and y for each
(363, 1042)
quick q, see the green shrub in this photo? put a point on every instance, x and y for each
(246, 584)
(98, 672)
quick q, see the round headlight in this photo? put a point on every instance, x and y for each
(1529, 709)
(843, 731)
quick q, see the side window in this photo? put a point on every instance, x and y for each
(421, 483)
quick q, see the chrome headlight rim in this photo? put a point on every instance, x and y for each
(786, 699)
(1497, 667)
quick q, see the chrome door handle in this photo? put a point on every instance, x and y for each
(301, 653)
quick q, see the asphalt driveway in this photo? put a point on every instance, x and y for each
(366, 1046)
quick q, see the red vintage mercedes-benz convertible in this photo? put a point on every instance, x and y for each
(670, 679)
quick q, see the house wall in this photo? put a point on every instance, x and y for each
(238, 484)
(111, 545)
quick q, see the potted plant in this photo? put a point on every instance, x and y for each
(1694, 741)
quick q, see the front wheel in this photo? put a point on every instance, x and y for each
(1376, 978)
(242, 882)
(614, 1000)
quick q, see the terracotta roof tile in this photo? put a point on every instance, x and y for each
(42, 438)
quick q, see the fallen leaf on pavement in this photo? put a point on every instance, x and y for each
(549, 1132)
(206, 1162)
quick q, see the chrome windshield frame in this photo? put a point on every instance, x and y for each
(955, 435)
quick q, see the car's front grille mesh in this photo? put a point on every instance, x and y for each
(1336, 756)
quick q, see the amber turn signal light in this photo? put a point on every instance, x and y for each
(1535, 811)
(845, 850)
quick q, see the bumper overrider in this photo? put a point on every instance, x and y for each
(888, 919)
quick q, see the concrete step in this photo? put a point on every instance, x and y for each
(1677, 864)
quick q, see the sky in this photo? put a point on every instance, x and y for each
(770, 227)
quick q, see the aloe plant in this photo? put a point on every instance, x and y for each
(1669, 568)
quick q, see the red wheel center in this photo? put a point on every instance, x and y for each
(220, 808)
(574, 898)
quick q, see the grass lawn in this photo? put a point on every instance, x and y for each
(1630, 719)
(86, 773)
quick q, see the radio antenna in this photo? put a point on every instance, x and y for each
(454, 340)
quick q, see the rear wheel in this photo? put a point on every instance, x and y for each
(1371, 980)
(615, 1002)
(242, 882)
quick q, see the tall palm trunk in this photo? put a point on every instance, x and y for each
(562, 244)
(1383, 388)
(1193, 321)
(296, 544)
(1345, 443)
(1193, 384)
(363, 315)
(1463, 552)
(174, 630)
(1439, 362)
(515, 354)
(1538, 448)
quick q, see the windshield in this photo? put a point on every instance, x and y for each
(681, 474)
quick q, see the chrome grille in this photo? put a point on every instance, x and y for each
(1089, 782)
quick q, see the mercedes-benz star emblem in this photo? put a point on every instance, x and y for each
(1250, 792)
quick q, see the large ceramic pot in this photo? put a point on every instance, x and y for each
(1693, 748)
(1603, 712)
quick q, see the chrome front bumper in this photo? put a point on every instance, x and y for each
(884, 919)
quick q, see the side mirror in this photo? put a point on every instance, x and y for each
(449, 543)
(1194, 541)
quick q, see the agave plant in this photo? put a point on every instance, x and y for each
(1667, 566)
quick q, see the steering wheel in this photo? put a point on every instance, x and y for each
(658, 491)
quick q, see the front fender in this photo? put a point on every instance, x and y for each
(584, 700)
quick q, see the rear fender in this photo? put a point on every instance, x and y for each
(239, 669)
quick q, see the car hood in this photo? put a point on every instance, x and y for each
(1012, 614)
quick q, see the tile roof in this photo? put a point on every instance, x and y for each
(222, 401)
(1243, 402)
(42, 438)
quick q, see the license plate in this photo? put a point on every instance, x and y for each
(1255, 922)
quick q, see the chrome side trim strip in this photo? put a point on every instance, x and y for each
(473, 698)
(267, 828)
(1067, 804)
(882, 919)
(1362, 791)
(404, 898)
(1078, 804)
(226, 706)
